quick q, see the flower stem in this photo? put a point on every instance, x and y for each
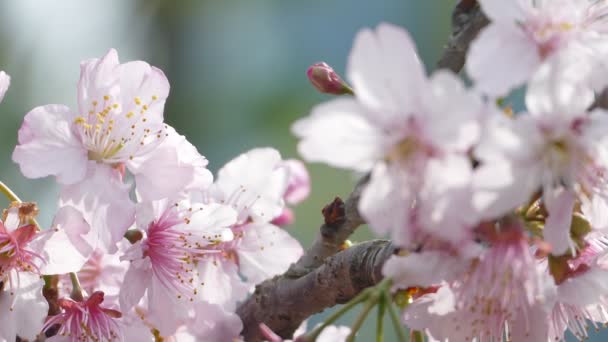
(380, 322)
(361, 297)
(8, 193)
(76, 289)
(371, 302)
(401, 335)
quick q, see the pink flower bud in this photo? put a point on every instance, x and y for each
(326, 81)
(298, 188)
(285, 219)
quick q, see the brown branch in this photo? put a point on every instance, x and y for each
(326, 276)
(284, 303)
(340, 221)
(467, 21)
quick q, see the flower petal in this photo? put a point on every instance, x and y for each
(5, 82)
(24, 311)
(47, 146)
(103, 199)
(560, 203)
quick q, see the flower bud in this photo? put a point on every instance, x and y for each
(325, 80)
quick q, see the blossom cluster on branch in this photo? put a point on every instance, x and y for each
(500, 219)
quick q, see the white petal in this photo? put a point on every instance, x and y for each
(385, 71)
(253, 184)
(47, 146)
(213, 220)
(214, 324)
(265, 251)
(103, 199)
(173, 167)
(222, 284)
(490, 59)
(29, 311)
(68, 244)
(506, 11)
(136, 281)
(560, 204)
(5, 82)
(337, 133)
(461, 128)
(561, 86)
(422, 269)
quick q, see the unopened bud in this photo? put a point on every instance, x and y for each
(326, 80)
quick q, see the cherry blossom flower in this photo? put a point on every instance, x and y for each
(254, 184)
(118, 124)
(493, 296)
(86, 320)
(558, 147)
(531, 32)
(22, 306)
(5, 82)
(396, 127)
(163, 263)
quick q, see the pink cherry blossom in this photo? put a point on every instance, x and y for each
(396, 127)
(86, 320)
(531, 32)
(5, 82)
(298, 187)
(495, 295)
(163, 262)
(557, 147)
(254, 184)
(118, 124)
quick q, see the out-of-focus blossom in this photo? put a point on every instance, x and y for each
(118, 124)
(254, 184)
(5, 82)
(401, 127)
(22, 306)
(524, 34)
(298, 189)
(558, 147)
(163, 263)
(86, 320)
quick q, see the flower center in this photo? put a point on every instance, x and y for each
(404, 150)
(114, 133)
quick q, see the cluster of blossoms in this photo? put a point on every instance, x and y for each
(146, 245)
(501, 218)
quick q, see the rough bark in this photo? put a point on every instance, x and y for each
(283, 303)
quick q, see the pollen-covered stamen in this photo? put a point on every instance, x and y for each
(113, 132)
(87, 320)
(174, 252)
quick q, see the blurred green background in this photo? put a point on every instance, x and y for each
(236, 68)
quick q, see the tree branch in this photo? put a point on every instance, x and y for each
(467, 21)
(341, 219)
(283, 303)
(325, 276)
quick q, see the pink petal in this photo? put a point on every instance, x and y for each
(48, 147)
(298, 187)
(104, 202)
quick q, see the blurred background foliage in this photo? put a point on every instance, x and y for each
(236, 68)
